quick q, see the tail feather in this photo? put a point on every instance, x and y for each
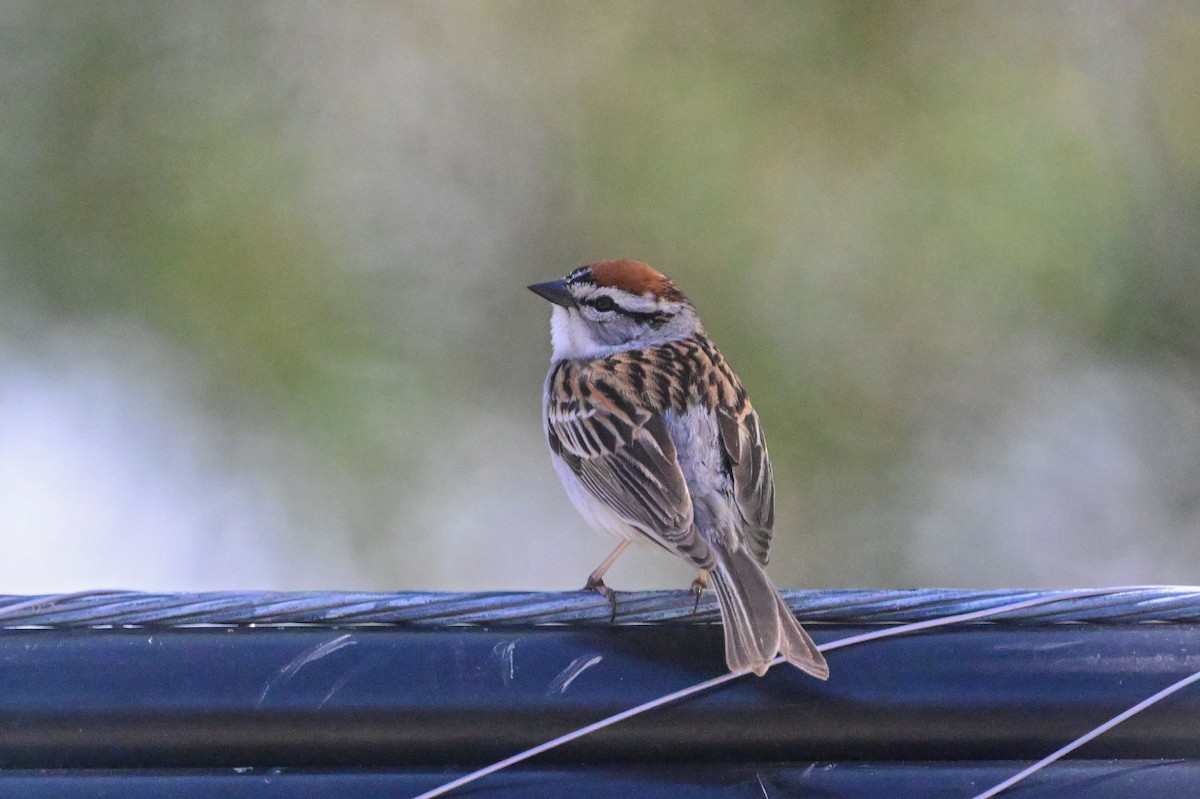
(758, 623)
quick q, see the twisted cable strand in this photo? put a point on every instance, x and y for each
(1178, 604)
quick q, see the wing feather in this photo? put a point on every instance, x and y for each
(625, 457)
(753, 480)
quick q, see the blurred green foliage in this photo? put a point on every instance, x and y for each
(891, 215)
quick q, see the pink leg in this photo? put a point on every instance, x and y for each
(595, 581)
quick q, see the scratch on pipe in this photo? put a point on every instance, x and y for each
(567, 676)
(812, 767)
(303, 659)
(761, 786)
(505, 650)
(344, 680)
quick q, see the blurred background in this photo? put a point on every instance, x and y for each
(263, 318)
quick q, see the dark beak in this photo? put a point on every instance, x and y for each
(555, 291)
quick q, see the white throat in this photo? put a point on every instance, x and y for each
(572, 338)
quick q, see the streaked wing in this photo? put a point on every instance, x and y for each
(753, 480)
(625, 457)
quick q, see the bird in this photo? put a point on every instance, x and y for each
(653, 437)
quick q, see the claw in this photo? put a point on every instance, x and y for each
(698, 586)
(603, 590)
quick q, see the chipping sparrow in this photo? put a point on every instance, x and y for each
(653, 437)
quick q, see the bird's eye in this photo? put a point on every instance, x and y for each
(604, 304)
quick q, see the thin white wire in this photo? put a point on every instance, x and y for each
(1098, 731)
(579, 733)
(841, 643)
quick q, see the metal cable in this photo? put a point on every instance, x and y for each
(512, 608)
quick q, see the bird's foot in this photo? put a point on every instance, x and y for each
(698, 586)
(603, 590)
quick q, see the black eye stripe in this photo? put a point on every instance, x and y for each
(607, 303)
(654, 319)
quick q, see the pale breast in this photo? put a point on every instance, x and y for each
(698, 448)
(598, 515)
